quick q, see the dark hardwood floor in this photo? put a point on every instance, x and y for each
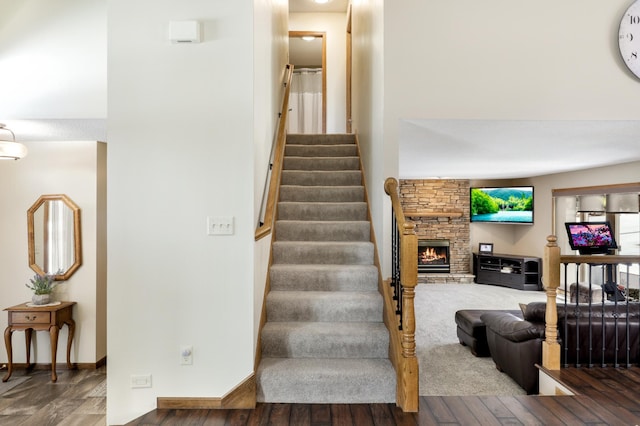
(606, 397)
(434, 410)
(77, 398)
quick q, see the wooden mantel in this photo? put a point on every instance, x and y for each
(423, 213)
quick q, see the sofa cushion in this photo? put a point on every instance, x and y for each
(511, 327)
(535, 312)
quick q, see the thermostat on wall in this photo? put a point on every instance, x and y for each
(184, 31)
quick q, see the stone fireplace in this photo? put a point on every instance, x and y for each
(441, 197)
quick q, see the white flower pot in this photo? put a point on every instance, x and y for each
(41, 299)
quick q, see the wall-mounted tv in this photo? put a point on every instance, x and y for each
(507, 204)
(591, 237)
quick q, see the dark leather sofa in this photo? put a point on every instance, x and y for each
(516, 344)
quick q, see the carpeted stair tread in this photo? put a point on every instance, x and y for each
(323, 252)
(321, 139)
(326, 381)
(320, 150)
(324, 306)
(346, 211)
(285, 277)
(325, 339)
(321, 163)
(317, 230)
(321, 177)
(335, 194)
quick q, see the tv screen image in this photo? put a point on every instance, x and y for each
(508, 204)
(591, 237)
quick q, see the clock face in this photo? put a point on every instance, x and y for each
(629, 38)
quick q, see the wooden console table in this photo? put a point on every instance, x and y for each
(44, 318)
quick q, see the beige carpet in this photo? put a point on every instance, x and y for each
(447, 367)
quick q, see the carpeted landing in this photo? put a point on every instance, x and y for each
(324, 340)
(447, 367)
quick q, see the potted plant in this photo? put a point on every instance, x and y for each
(42, 287)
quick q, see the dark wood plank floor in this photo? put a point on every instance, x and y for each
(434, 410)
(606, 397)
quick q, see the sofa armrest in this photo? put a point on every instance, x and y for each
(511, 327)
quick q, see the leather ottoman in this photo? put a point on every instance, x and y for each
(472, 332)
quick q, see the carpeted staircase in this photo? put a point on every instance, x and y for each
(324, 340)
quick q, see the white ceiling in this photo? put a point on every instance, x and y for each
(499, 149)
(305, 6)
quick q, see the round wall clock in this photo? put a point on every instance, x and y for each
(629, 38)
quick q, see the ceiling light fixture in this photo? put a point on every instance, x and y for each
(308, 38)
(321, 1)
(10, 149)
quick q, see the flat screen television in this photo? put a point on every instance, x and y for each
(591, 237)
(507, 204)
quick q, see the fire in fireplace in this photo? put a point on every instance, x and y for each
(433, 256)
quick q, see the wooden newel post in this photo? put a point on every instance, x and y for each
(405, 352)
(551, 282)
(409, 280)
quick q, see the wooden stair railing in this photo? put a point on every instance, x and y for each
(399, 295)
(551, 282)
(275, 162)
(551, 349)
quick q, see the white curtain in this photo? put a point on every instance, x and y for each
(305, 101)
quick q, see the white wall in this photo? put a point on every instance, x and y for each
(498, 59)
(69, 168)
(184, 136)
(271, 41)
(368, 93)
(53, 61)
(335, 27)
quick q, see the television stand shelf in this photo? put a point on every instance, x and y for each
(519, 272)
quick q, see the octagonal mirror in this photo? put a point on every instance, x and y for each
(54, 236)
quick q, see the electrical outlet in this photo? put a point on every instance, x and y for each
(186, 355)
(220, 225)
(141, 380)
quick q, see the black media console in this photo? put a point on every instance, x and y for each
(519, 272)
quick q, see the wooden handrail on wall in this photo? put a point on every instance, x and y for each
(264, 228)
(403, 341)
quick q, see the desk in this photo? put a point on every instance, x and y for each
(45, 318)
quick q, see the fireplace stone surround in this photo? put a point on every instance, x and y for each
(442, 195)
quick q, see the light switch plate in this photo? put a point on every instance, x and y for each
(220, 225)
